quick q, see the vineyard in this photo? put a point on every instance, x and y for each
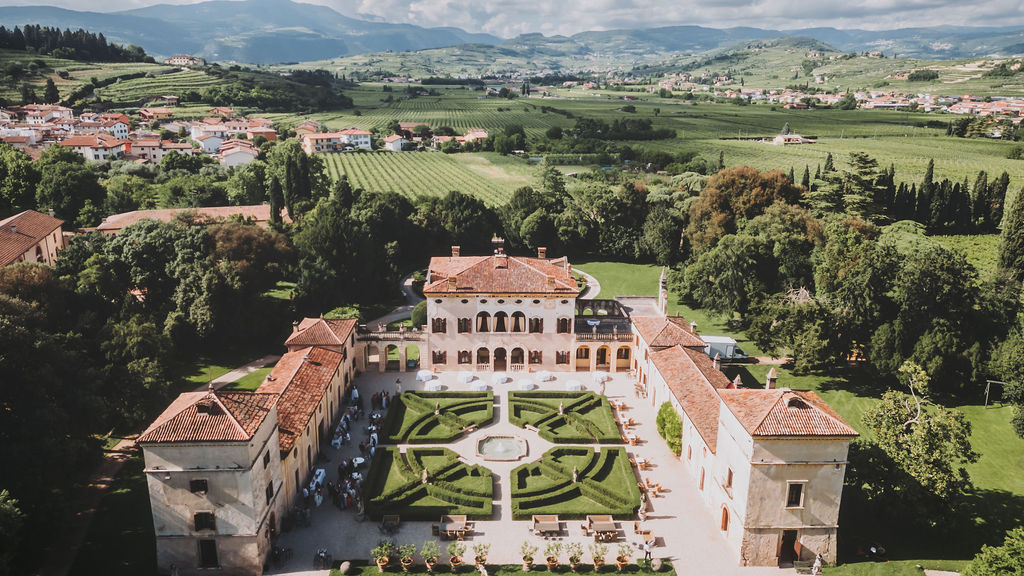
(415, 174)
(142, 89)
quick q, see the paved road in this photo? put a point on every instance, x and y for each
(237, 373)
(402, 312)
(593, 286)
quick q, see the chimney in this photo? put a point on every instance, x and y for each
(498, 243)
(716, 361)
(295, 326)
(52, 213)
(14, 229)
(500, 260)
(453, 283)
(770, 380)
(693, 327)
(736, 383)
(542, 252)
(455, 251)
(551, 282)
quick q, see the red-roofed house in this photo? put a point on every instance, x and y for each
(97, 147)
(234, 153)
(259, 213)
(214, 473)
(30, 236)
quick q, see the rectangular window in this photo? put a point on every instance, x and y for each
(439, 325)
(198, 486)
(204, 521)
(563, 326)
(464, 325)
(795, 496)
(465, 357)
(728, 478)
(208, 554)
(536, 325)
(266, 459)
(536, 357)
(270, 491)
(561, 357)
(439, 357)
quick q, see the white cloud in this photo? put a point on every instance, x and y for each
(508, 18)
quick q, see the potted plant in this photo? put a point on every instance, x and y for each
(551, 552)
(597, 552)
(480, 553)
(455, 551)
(528, 549)
(429, 552)
(625, 554)
(405, 554)
(381, 554)
(575, 552)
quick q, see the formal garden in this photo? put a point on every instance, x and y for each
(565, 417)
(574, 482)
(435, 417)
(426, 483)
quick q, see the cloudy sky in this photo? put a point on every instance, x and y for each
(508, 18)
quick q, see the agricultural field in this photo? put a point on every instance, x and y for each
(78, 72)
(144, 89)
(416, 174)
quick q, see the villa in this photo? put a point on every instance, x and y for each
(768, 463)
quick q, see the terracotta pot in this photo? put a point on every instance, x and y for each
(620, 562)
(480, 560)
(598, 563)
(455, 561)
(527, 564)
(381, 563)
(552, 563)
(406, 562)
(573, 564)
(430, 564)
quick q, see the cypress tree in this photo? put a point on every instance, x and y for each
(929, 176)
(805, 180)
(50, 94)
(792, 177)
(276, 199)
(980, 203)
(1011, 246)
(998, 199)
(817, 173)
(829, 166)
(923, 207)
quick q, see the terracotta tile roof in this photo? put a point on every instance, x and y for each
(96, 141)
(355, 132)
(660, 332)
(782, 412)
(321, 332)
(500, 274)
(31, 226)
(302, 378)
(394, 138)
(260, 213)
(694, 391)
(210, 417)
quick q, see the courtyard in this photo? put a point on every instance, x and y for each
(574, 462)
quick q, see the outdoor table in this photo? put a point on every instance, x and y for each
(452, 524)
(479, 386)
(545, 376)
(499, 378)
(603, 527)
(357, 461)
(319, 475)
(641, 463)
(424, 375)
(600, 376)
(546, 523)
(524, 384)
(632, 438)
(573, 385)
(357, 476)
(434, 386)
(466, 377)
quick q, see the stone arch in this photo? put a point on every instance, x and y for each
(623, 357)
(483, 322)
(518, 322)
(483, 355)
(500, 359)
(412, 357)
(518, 356)
(604, 354)
(373, 359)
(725, 519)
(393, 358)
(500, 322)
(583, 358)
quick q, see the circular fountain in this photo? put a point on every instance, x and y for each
(501, 448)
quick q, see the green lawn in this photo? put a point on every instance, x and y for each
(282, 290)
(251, 381)
(394, 485)
(121, 540)
(364, 568)
(412, 419)
(981, 250)
(606, 484)
(587, 417)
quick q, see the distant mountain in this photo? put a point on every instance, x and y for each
(251, 31)
(273, 31)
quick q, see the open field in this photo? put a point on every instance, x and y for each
(78, 72)
(143, 89)
(415, 174)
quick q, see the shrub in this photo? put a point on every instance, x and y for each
(670, 427)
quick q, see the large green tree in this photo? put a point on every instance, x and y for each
(67, 184)
(19, 177)
(1005, 560)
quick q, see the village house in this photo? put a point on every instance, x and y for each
(151, 114)
(329, 142)
(234, 153)
(394, 143)
(185, 60)
(98, 147)
(30, 236)
(210, 143)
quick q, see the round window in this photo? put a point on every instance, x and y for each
(464, 301)
(565, 301)
(536, 301)
(501, 301)
(438, 301)
(483, 301)
(519, 301)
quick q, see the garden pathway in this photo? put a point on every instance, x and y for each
(402, 312)
(686, 529)
(238, 373)
(593, 286)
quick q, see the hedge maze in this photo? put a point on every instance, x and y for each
(411, 418)
(605, 484)
(586, 417)
(394, 485)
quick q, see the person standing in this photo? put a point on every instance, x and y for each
(647, 551)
